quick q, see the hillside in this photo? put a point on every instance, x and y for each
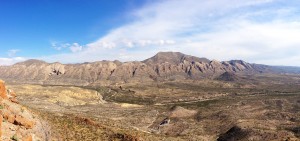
(227, 76)
(163, 66)
(18, 122)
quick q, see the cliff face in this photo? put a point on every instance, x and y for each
(16, 121)
(163, 66)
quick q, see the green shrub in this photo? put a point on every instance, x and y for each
(14, 138)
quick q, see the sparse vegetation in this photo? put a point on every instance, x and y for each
(14, 138)
(258, 111)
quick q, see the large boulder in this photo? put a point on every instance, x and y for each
(3, 92)
(20, 120)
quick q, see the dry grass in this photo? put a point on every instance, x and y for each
(69, 96)
(265, 108)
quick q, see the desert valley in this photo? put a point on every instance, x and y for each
(170, 96)
(149, 70)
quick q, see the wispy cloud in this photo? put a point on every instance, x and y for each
(12, 52)
(10, 61)
(73, 47)
(259, 31)
(59, 46)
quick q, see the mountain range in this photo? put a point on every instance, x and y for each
(164, 66)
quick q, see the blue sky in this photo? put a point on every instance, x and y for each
(75, 31)
(30, 25)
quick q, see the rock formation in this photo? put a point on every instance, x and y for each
(161, 67)
(16, 121)
(228, 76)
(3, 90)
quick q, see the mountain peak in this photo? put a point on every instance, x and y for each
(162, 66)
(169, 53)
(173, 58)
(31, 62)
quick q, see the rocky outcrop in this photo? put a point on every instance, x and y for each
(3, 90)
(161, 67)
(7, 94)
(16, 121)
(228, 76)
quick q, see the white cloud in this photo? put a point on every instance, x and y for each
(254, 42)
(11, 61)
(75, 47)
(259, 31)
(59, 46)
(12, 52)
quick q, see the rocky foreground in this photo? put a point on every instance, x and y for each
(18, 122)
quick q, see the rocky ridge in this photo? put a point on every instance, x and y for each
(18, 122)
(161, 67)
